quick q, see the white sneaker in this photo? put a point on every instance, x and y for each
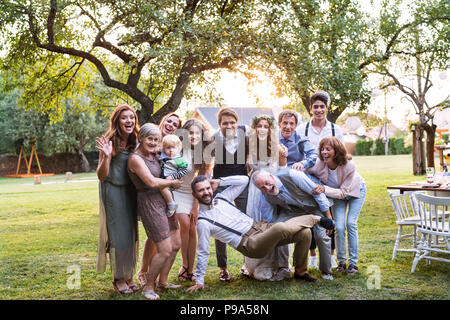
(283, 273)
(327, 276)
(334, 263)
(313, 262)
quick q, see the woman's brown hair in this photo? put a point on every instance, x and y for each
(114, 132)
(340, 152)
(205, 141)
(272, 137)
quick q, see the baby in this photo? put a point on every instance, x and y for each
(173, 167)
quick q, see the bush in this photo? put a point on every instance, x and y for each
(379, 147)
(363, 147)
(445, 137)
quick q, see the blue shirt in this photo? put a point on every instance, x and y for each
(304, 182)
(300, 149)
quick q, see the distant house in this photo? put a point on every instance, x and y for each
(209, 115)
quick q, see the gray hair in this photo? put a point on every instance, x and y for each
(261, 173)
(149, 129)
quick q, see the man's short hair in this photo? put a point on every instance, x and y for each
(321, 96)
(227, 112)
(196, 180)
(289, 114)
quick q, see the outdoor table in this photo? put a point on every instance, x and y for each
(444, 192)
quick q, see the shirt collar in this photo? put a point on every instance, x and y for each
(291, 138)
(233, 137)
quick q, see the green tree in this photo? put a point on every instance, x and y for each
(75, 132)
(422, 48)
(312, 45)
(146, 50)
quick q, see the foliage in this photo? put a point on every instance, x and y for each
(421, 49)
(147, 50)
(445, 137)
(363, 147)
(312, 45)
(369, 147)
(74, 133)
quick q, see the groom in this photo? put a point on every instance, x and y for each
(220, 219)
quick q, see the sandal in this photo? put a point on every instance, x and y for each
(142, 278)
(167, 286)
(183, 276)
(133, 286)
(191, 277)
(150, 295)
(224, 275)
(127, 290)
(341, 267)
(352, 269)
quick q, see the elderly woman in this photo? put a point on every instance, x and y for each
(144, 170)
(168, 125)
(118, 233)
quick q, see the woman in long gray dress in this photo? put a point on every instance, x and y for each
(144, 170)
(265, 153)
(118, 233)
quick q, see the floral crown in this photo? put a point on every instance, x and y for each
(267, 117)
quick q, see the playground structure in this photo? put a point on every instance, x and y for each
(22, 154)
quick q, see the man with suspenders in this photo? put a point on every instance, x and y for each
(316, 129)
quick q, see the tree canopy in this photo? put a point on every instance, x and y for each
(149, 50)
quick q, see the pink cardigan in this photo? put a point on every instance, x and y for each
(349, 180)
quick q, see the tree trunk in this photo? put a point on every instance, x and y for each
(431, 131)
(334, 114)
(418, 151)
(84, 163)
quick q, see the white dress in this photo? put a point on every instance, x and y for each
(183, 195)
(265, 268)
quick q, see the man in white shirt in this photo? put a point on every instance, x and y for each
(220, 219)
(319, 127)
(316, 129)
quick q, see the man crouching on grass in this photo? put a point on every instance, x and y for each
(220, 219)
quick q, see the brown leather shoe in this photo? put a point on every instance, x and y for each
(224, 275)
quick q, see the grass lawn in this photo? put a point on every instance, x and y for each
(48, 233)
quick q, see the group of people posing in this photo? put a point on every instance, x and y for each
(256, 188)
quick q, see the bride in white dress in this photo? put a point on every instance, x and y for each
(265, 153)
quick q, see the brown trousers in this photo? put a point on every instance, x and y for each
(263, 237)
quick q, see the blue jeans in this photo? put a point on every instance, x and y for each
(354, 206)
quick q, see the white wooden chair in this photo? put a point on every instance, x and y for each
(434, 222)
(405, 211)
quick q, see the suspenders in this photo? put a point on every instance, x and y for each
(307, 128)
(219, 224)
